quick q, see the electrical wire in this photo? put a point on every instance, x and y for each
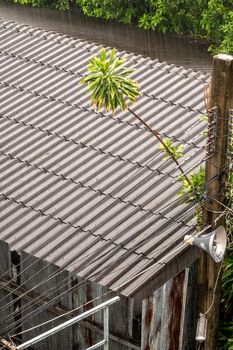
(63, 315)
(134, 175)
(224, 206)
(132, 278)
(160, 212)
(46, 304)
(159, 262)
(55, 247)
(215, 287)
(133, 248)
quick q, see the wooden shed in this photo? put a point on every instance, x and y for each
(89, 205)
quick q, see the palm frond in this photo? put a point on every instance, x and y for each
(108, 82)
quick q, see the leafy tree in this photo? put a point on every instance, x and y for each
(58, 4)
(211, 19)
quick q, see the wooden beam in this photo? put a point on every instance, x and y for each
(217, 169)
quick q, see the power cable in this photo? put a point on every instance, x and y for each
(161, 208)
(158, 262)
(92, 276)
(132, 249)
(185, 242)
(53, 275)
(134, 175)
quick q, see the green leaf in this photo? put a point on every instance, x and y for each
(108, 82)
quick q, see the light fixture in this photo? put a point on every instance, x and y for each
(214, 242)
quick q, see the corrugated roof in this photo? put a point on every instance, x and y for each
(84, 189)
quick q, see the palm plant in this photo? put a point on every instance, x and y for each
(111, 88)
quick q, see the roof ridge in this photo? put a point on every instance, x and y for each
(187, 73)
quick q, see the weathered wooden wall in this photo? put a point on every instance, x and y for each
(168, 316)
(46, 282)
(6, 307)
(191, 310)
(162, 316)
(49, 282)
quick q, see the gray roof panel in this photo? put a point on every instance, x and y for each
(87, 190)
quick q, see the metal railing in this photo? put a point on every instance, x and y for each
(105, 342)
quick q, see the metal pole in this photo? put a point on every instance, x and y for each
(106, 328)
(96, 346)
(67, 324)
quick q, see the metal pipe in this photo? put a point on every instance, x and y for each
(67, 323)
(97, 345)
(106, 328)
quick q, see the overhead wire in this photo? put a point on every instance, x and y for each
(166, 206)
(127, 180)
(28, 267)
(36, 311)
(145, 270)
(158, 262)
(214, 290)
(133, 250)
(139, 170)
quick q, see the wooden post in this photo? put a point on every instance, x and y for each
(217, 168)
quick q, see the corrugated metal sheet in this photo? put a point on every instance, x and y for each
(84, 189)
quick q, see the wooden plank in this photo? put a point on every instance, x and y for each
(7, 308)
(191, 312)
(161, 316)
(85, 337)
(120, 318)
(147, 322)
(33, 274)
(61, 310)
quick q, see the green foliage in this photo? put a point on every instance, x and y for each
(121, 10)
(195, 189)
(212, 19)
(180, 16)
(226, 316)
(57, 4)
(108, 82)
(227, 34)
(172, 151)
